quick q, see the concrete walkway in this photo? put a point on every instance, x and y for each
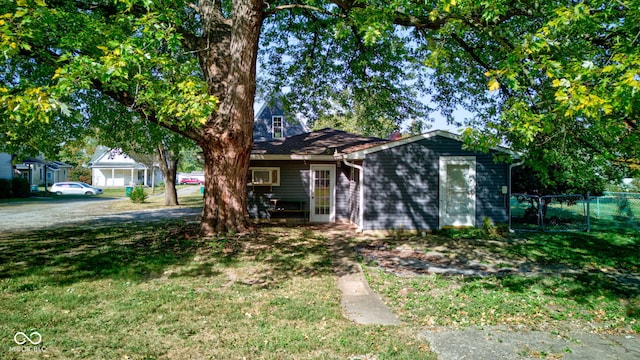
(507, 343)
(359, 303)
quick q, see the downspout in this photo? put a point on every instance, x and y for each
(360, 194)
(511, 166)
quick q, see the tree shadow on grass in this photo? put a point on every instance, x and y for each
(615, 248)
(66, 255)
(272, 255)
(587, 268)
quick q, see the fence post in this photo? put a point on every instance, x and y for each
(588, 211)
(540, 221)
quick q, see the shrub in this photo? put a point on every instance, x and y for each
(20, 187)
(138, 195)
(624, 206)
(5, 189)
(80, 174)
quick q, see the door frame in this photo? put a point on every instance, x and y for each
(456, 160)
(324, 218)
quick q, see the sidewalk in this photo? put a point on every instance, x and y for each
(506, 343)
(360, 304)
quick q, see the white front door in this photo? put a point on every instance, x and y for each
(322, 192)
(457, 191)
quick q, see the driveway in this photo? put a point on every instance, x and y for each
(48, 212)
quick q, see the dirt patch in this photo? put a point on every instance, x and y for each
(462, 259)
(403, 260)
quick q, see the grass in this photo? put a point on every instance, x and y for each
(156, 200)
(591, 282)
(159, 291)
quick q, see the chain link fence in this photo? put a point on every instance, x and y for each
(617, 209)
(548, 213)
(574, 212)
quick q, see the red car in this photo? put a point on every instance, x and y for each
(191, 181)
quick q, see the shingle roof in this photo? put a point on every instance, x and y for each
(55, 165)
(322, 142)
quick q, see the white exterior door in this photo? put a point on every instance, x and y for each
(322, 193)
(457, 191)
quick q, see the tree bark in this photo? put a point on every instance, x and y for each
(168, 163)
(228, 134)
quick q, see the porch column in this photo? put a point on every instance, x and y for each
(113, 176)
(132, 182)
(145, 177)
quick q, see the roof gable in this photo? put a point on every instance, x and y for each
(105, 156)
(263, 121)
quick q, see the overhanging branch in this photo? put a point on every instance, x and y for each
(129, 101)
(275, 9)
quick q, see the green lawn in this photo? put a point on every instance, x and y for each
(592, 282)
(158, 291)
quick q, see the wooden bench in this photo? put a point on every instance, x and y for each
(288, 209)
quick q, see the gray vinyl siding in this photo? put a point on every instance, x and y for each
(294, 185)
(402, 185)
(354, 196)
(6, 168)
(342, 193)
(490, 202)
(263, 126)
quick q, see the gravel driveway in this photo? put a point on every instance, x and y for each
(48, 212)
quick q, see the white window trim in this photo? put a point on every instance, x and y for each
(273, 128)
(271, 180)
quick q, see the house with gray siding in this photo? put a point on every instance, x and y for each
(39, 171)
(424, 182)
(36, 170)
(6, 167)
(271, 122)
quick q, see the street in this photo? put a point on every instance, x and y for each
(49, 212)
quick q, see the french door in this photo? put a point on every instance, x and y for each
(322, 193)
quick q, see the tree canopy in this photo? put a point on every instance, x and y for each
(557, 80)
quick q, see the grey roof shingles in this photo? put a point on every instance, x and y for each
(321, 142)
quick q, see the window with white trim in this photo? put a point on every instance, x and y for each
(264, 176)
(277, 126)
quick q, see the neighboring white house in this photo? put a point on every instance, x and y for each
(113, 168)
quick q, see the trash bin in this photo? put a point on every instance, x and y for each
(128, 190)
(201, 189)
(34, 188)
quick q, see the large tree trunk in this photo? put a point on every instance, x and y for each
(168, 163)
(228, 135)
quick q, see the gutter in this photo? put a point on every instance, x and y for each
(361, 192)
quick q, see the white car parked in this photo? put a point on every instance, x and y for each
(74, 188)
